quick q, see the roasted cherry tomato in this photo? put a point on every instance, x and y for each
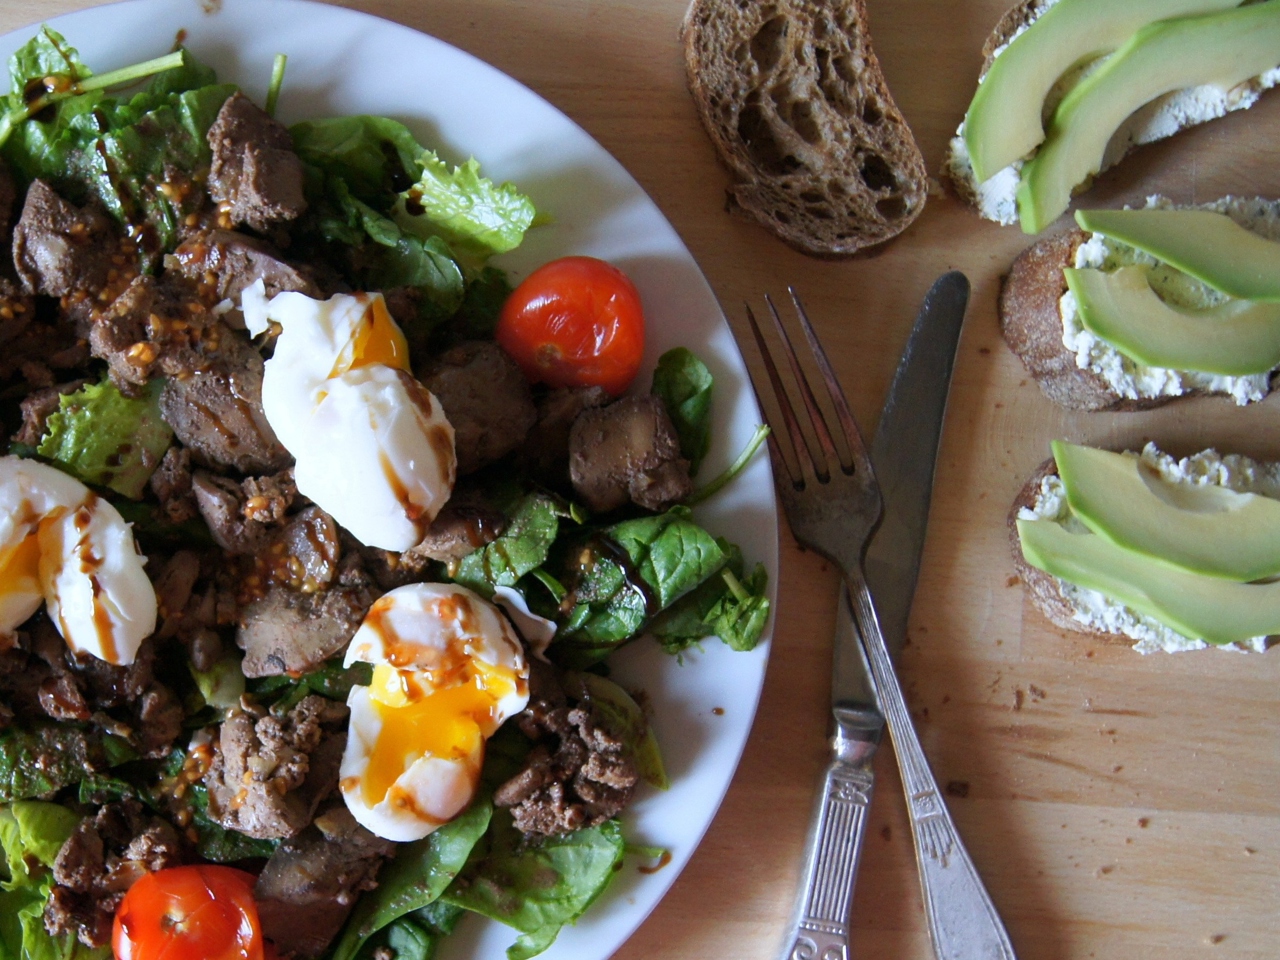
(201, 912)
(575, 322)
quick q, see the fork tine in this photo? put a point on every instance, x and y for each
(852, 435)
(799, 445)
(806, 393)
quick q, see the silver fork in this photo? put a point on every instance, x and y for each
(833, 507)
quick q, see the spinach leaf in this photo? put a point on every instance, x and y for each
(101, 436)
(661, 558)
(477, 218)
(214, 841)
(40, 759)
(732, 606)
(683, 383)
(671, 552)
(622, 717)
(532, 528)
(477, 318)
(415, 878)
(331, 679)
(375, 156)
(537, 888)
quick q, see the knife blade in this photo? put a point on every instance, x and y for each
(904, 452)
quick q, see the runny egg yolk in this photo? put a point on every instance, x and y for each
(419, 719)
(377, 340)
(20, 563)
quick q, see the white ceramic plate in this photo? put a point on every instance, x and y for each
(344, 62)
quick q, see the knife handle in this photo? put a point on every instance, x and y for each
(963, 921)
(820, 928)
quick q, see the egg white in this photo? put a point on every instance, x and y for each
(373, 447)
(423, 629)
(90, 574)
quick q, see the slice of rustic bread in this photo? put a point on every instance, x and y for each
(1032, 324)
(1160, 119)
(792, 95)
(1044, 589)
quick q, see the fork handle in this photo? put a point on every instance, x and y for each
(963, 921)
(820, 927)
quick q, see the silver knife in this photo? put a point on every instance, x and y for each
(963, 922)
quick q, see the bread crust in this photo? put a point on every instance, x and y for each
(1043, 588)
(795, 102)
(1031, 323)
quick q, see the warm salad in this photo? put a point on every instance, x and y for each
(316, 535)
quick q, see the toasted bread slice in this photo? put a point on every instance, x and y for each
(1069, 607)
(1032, 320)
(1158, 120)
(793, 98)
(1044, 589)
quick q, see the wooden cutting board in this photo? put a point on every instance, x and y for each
(1119, 806)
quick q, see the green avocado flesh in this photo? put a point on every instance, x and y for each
(1004, 121)
(1220, 49)
(1234, 339)
(1209, 246)
(1203, 608)
(1204, 529)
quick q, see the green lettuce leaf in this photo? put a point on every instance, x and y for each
(31, 834)
(478, 218)
(47, 54)
(683, 383)
(414, 879)
(105, 438)
(376, 157)
(32, 830)
(537, 887)
(331, 679)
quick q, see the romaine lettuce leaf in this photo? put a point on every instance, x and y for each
(47, 54)
(32, 831)
(105, 438)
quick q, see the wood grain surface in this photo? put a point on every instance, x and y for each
(1118, 806)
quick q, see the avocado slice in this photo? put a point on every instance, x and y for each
(1203, 608)
(1233, 339)
(1220, 49)
(1205, 529)
(1004, 121)
(1209, 246)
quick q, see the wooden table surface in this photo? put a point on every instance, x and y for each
(1118, 806)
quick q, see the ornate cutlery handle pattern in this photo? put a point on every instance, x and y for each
(963, 921)
(821, 927)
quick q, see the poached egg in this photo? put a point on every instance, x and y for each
(63, 546)
(448, 671)
(373, 446)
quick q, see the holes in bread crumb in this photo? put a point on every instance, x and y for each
(820, 213)
(783, 218)
(767, 45)
(848, 68)
(836, 188)
(812, 196)
(871, 113)
(877, 174)
(758, 137)
(891, 208)
(804, 122)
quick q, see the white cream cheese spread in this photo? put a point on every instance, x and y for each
(1097, 611)
(1131, 380)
